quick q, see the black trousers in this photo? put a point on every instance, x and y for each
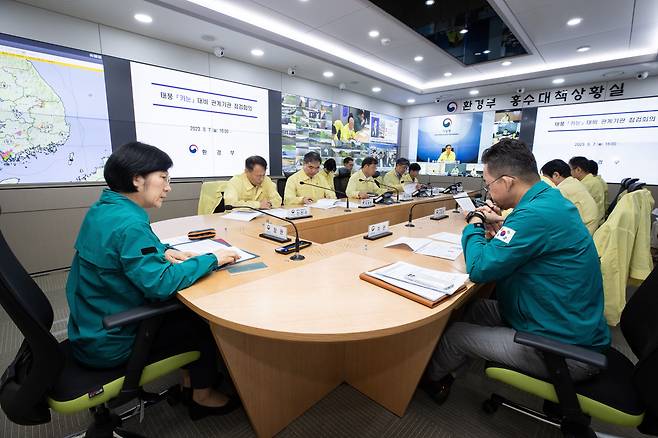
(182, 331)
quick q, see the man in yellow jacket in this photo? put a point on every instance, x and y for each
(594, 170)
(252, 188)
(580, 170)
(362, 182)
(559, 173)
(394, 177)
(297, 193)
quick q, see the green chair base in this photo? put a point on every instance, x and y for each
(113, 388)
(547, 392)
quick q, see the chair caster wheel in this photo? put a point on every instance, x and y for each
(489, 406)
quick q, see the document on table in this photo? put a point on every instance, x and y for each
(205, 246)
(409, 187)
(242, 215)
(464, 202)
(427, 283)
(278, 212)
(448, 237)
(429, 247)
(327, 203)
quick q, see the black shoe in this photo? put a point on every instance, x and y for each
(198, 411)
(438, 390)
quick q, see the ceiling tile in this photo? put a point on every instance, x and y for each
(314, 13)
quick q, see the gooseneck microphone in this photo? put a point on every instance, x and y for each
(331, 190)
(296, 256)
(411, 210)
(397, 192)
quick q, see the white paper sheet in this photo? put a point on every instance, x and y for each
(325, 203)
(464, 202)
(243, 216)
(278, 212)
(415, 243)
(410, 187)
(443, 250)
(447, 237)
(205, 246)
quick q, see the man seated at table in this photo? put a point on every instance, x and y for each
(297, 193)
(580, 169)
(547, 275)
(348, 166)
(594, 170)
(393, 177)
(362, 182)
(559, 173)
(252, 188)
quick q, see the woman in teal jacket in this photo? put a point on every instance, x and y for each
(120, 264)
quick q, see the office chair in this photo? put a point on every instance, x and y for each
(44, 375)
(340, 183)
(623, 186)
(281, 186)
(622, 393)
(211, 197)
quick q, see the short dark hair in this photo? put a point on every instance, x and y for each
(350, 115)
(559, 166)
(131, 160)
(414, 167)
(401, 162)
(447, 146)
(250, 162)
(330, 165)
(312, 157)
(511, 157)
(368, 161)
(347, 160)
(593, 167)
(580, 162)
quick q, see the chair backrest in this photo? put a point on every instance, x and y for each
(623, 187)
(281, 186)
(639, 325)
(211, 196)
(340, 183)
(39, 361)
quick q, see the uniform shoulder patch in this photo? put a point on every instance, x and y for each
(505, 234)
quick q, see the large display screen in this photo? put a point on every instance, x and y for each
(53, 114)
(207, 126)
(335, 131)
(622, 136)
(461, 131)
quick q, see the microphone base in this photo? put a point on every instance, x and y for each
(347, 210)
(297, 257)
(409, 224)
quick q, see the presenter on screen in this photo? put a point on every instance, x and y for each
(252, 188)
(120, 264)
(347, 132)
(447, 154)
(360, 189)
(297, 193)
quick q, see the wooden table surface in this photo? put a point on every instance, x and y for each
(292, 332)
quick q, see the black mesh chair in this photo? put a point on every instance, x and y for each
(622, 393)
(44, 375)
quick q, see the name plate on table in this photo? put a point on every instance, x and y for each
(377, 231)
(439, 213)
(366, 203)
(277, 233)
(298, 213)
(405, 197)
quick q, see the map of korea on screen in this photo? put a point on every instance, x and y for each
(53, 114)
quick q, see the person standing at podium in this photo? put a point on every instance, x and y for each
(296, 193)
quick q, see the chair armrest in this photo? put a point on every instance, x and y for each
(140, 313)
(566, 351)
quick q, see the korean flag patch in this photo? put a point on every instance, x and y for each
(505, 234)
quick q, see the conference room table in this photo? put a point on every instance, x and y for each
(292, 332)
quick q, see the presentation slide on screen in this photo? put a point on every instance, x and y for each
(384, 129)
(207, 126)
(53, 114)
(622, 136)
(462, 131)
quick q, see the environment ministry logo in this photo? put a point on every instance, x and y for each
(447, 122)
(193, 148)
(452, 107)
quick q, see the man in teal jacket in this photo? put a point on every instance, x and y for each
(546, 270)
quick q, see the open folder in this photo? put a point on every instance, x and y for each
(425, 286)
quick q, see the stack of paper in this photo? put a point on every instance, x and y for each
(448, 237)
(327, 203)
(429, 284)
(242, 215)
(205, 246)
(429, 247)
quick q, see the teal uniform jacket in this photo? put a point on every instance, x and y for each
(546, 269)
(119, 264)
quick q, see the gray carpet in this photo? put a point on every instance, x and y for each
(345, 412)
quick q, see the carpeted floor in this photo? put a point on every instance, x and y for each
(345, 412)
